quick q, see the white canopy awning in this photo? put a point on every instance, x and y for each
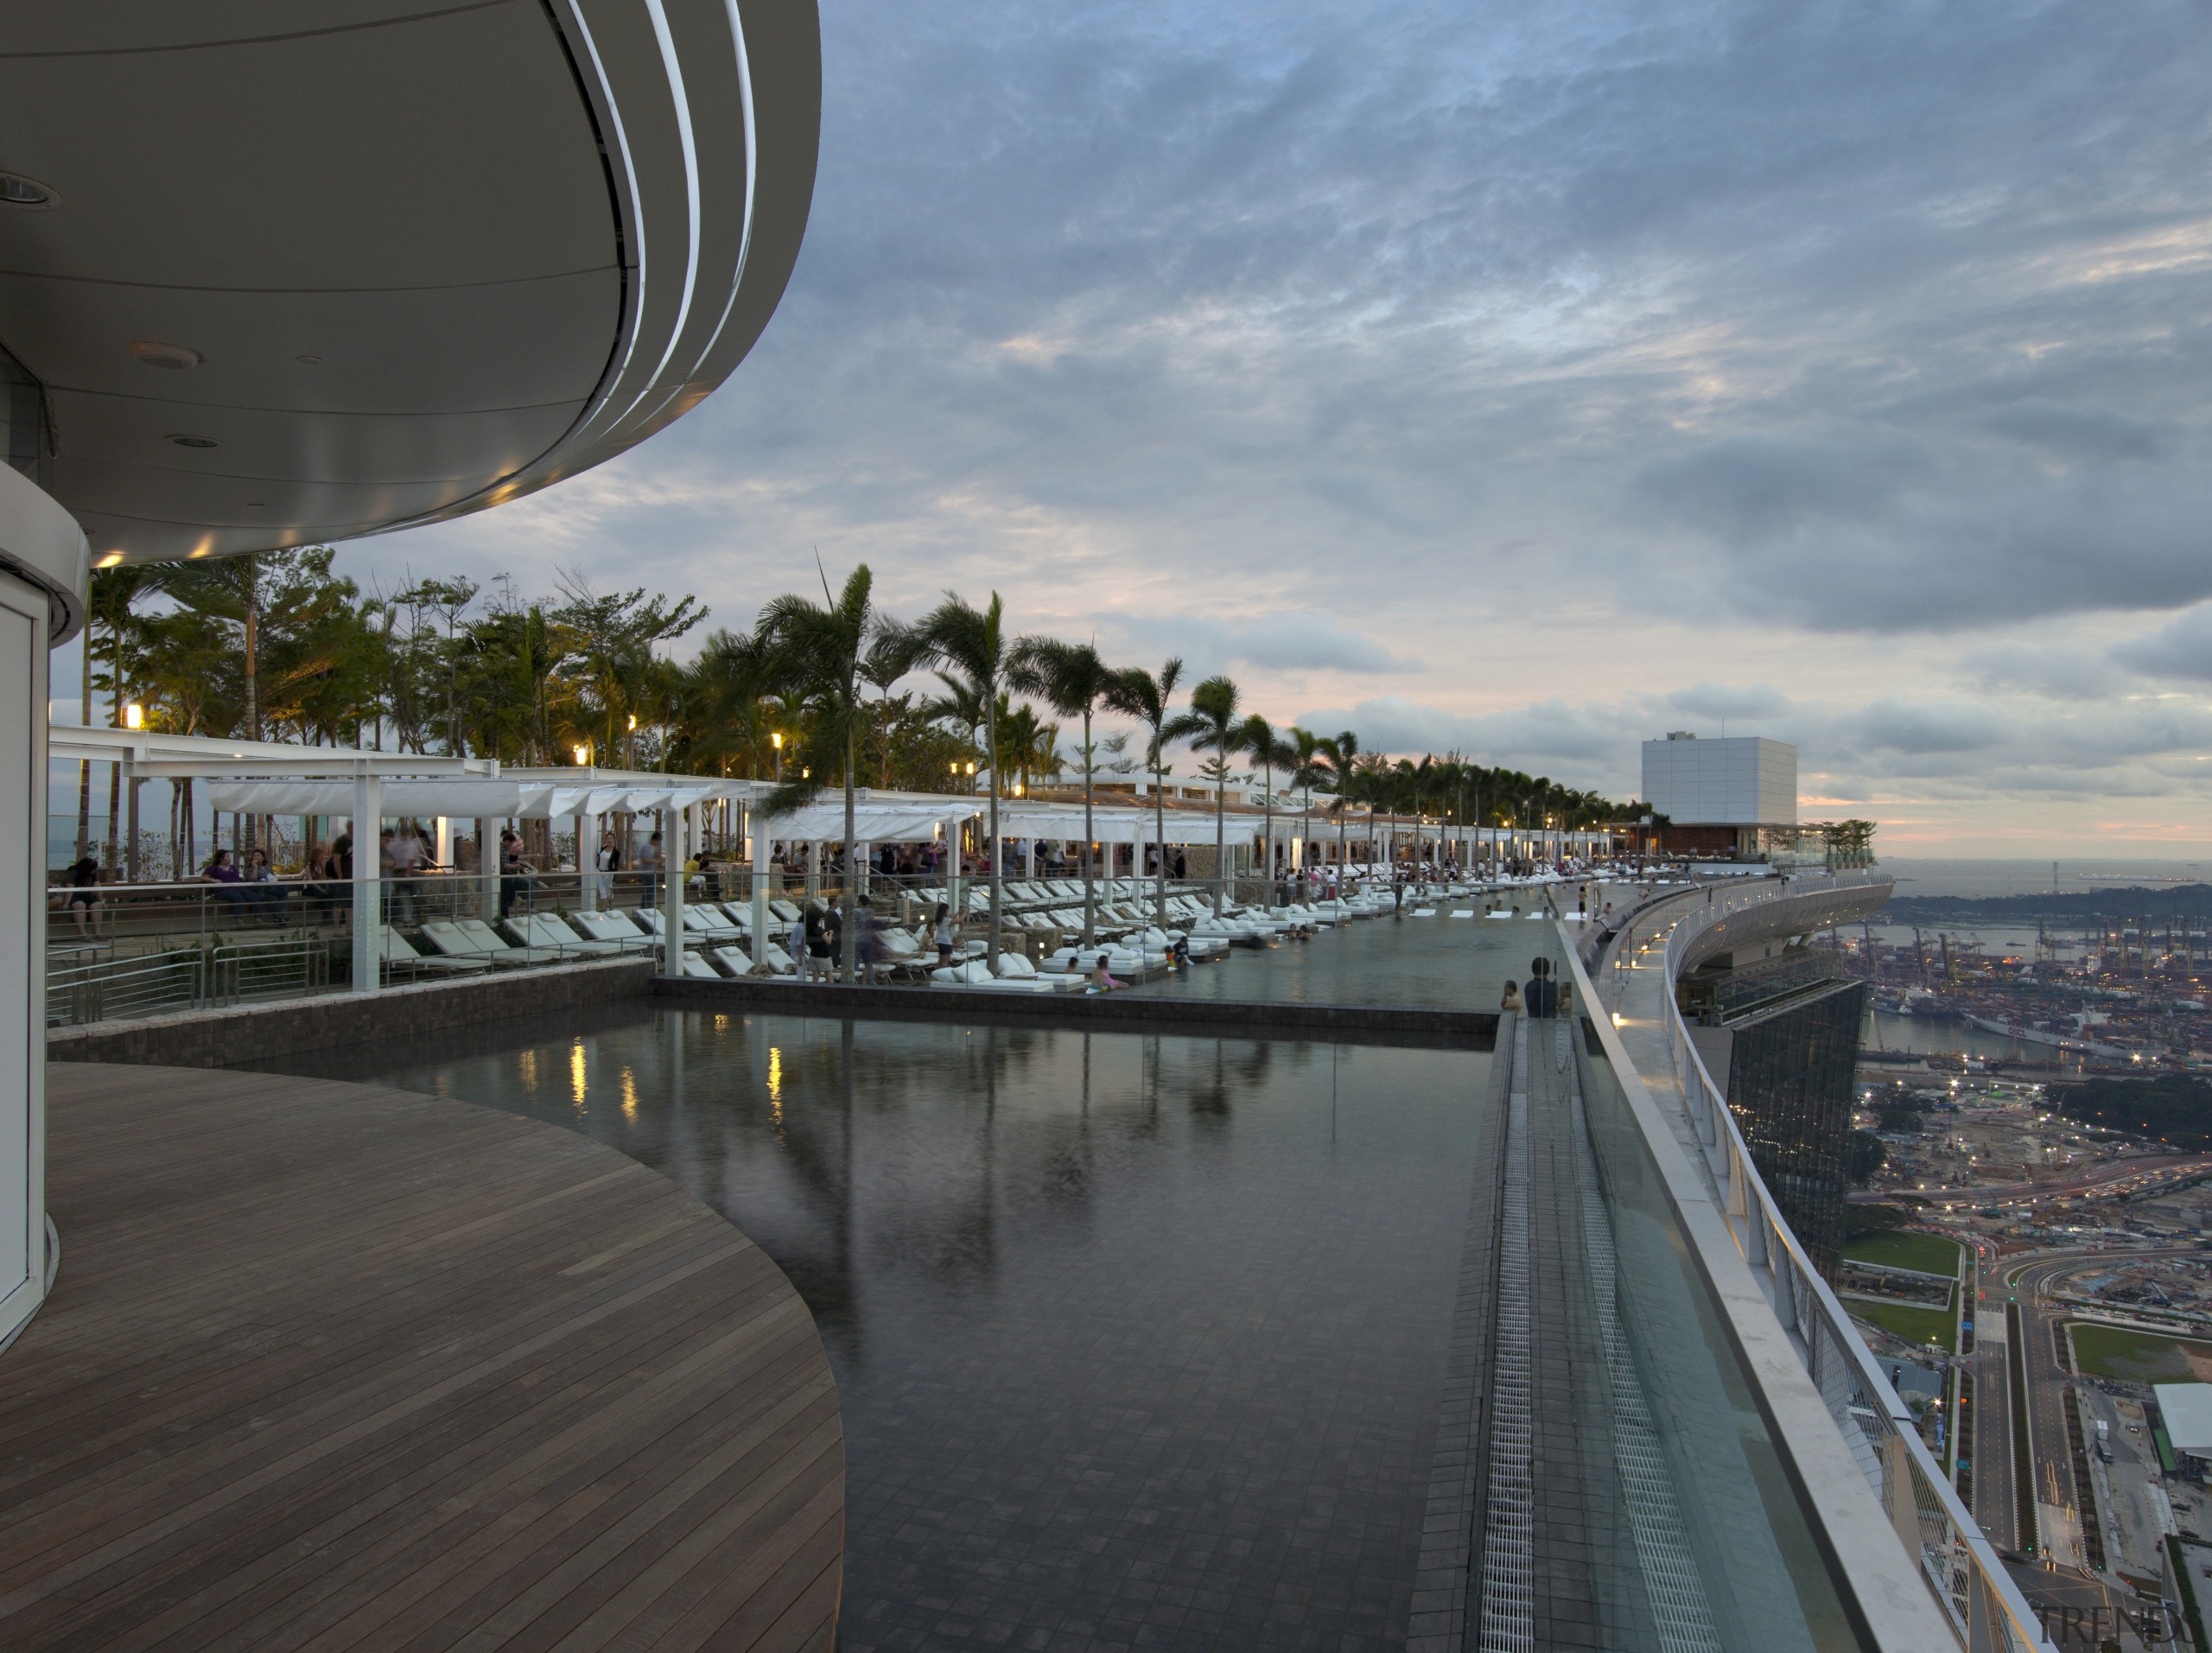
(459, 797)
(1122, 825)
(904, 822)
(153, 755)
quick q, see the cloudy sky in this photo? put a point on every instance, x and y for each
(1524, 379)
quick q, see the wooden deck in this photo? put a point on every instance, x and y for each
(330, 1366)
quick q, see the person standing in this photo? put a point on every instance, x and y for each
(606, 860)
(654, 863)
(514, 871)
(942, 926)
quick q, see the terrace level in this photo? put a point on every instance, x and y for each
(327, 1364)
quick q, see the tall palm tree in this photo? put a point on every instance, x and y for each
(1341, 750)
(1212, 725)
(972, 642)
(1308, 764)
(822, 650)
(1136, 693)
(1258, 741)
(113, 592)
(1073, 681)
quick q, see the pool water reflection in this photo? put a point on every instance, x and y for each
(1440, 962)
(1138, 1341)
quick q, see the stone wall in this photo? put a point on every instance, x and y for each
(257, 1033)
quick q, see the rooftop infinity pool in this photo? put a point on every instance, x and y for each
(1138, 1341)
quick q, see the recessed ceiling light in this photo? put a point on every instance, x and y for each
(157, 354)
(312, 361)
(257, 504)
(15, 190)
(195, 441)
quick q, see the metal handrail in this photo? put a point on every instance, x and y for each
(1985, 1606)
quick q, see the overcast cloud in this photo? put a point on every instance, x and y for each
(1837, 370)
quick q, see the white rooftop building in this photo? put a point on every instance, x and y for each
(1745, 781)
(2187, 1408)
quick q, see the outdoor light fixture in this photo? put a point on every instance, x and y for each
(134, 716)
(583, 756)
(15, 190)
(633, 720)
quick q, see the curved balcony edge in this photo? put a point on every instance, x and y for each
(1828, 1401)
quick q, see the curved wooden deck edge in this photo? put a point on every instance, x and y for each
(337, 1366)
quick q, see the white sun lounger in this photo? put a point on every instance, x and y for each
(610, 926)
(400, 953)
(542, 932)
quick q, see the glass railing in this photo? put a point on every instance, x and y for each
(1937, 1540)
(1649, 1451)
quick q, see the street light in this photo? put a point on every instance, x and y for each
(776, 739)
(134, 716)
(583, 755)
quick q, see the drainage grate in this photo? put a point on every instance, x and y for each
(1509, 1530)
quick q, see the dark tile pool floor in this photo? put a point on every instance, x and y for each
(1138, 1342)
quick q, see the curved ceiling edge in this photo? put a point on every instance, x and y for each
(710, 113)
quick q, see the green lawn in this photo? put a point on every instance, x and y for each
(1929, 1252)
(2133, 1357)
(1936, 1326)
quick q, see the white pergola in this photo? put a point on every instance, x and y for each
(349, 781)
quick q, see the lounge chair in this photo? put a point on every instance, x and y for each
(700, 919)
(400, 954)
(542, 932)
(473, 939)
(611, 927)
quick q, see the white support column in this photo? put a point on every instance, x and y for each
(814, 870)
(487, 870)
(673, 822)
(368, 920)
(27, 518)
(758, 821)
(860, 858)
(442, 849)
(588, 835)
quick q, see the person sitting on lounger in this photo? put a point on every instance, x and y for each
(1101, 979)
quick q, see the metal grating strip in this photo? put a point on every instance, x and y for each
(1509, 1528)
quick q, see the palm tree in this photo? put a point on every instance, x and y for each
(973, 642)
(1308, 763)
(1073, 681)
(1258, 741)
(1212, 725)
(1136, 693)
(1341, 750)
(822, 650)
(113, 592)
